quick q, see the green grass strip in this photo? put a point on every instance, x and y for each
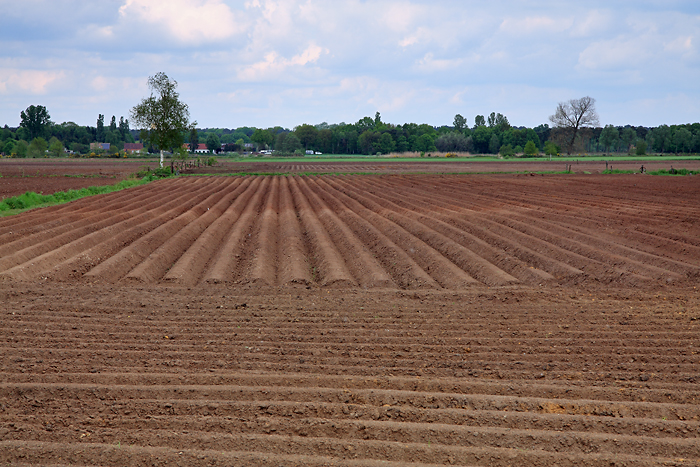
(31, 200)
(674, 172)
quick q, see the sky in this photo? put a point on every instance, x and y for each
(265, 63)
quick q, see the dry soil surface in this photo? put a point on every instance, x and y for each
(355, 320)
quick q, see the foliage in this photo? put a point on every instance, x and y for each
(506, 150)
(263, 138)
(551, 149)
(213, 142)
(530, 149)
(494, 143)
(454, 141)
(148, 175)
(162, 117)
(386, 143)
(180, 155)
(673, 171)
(100, 129)
(287, 142)
(211, 161)
(609, 136)
(460, 123)
(194, 139)
(306, 134)
(55, 147)
(641, 147)
(21, 148)
(37, 148)
(35, 119)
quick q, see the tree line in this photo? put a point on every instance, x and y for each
(37, 135)
(488, 135)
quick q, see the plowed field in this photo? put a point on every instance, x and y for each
(355, 320)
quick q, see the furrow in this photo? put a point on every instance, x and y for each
(500, 245)
(293, 266)
(567, 240)
(332, 269)
(443, 271)
(191, 265)
(263, 268)
(126, 233)
(404, 270)
(365, 268)
(42, 264)
(119, 265)
(224, 263)
(462, 258)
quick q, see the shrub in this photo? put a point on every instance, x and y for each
(506, 150)
(641, 148)
(551, 149)
(530, 149)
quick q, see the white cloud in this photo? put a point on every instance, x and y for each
(35, 82)
(616, 54)
(594, 22)
(273, 65)
(187, 21)
(288, 61)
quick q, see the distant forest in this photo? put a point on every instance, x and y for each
(38, 136)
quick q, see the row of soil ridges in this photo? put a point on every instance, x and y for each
(123, 375)
(442, 165)
(389, 231)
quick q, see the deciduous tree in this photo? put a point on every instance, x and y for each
(35, 119)
(213, 142)
(530, 149)
(460, 123)
(573, 115)
(263, 138)
(55, 147)
(37, 148)
(162, 117)
(306, 134)
(609, 137)
(386, 143)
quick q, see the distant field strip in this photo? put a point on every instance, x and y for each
(403, 232)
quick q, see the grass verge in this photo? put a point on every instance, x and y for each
(674, 172)
(31, 200)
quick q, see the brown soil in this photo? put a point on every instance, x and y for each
(47, 176)
(355, 320)
(435, 165)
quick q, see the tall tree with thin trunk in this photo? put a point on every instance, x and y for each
(162, 117)
(573, 115)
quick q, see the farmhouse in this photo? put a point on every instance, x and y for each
(132, 148)
(96, 146)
